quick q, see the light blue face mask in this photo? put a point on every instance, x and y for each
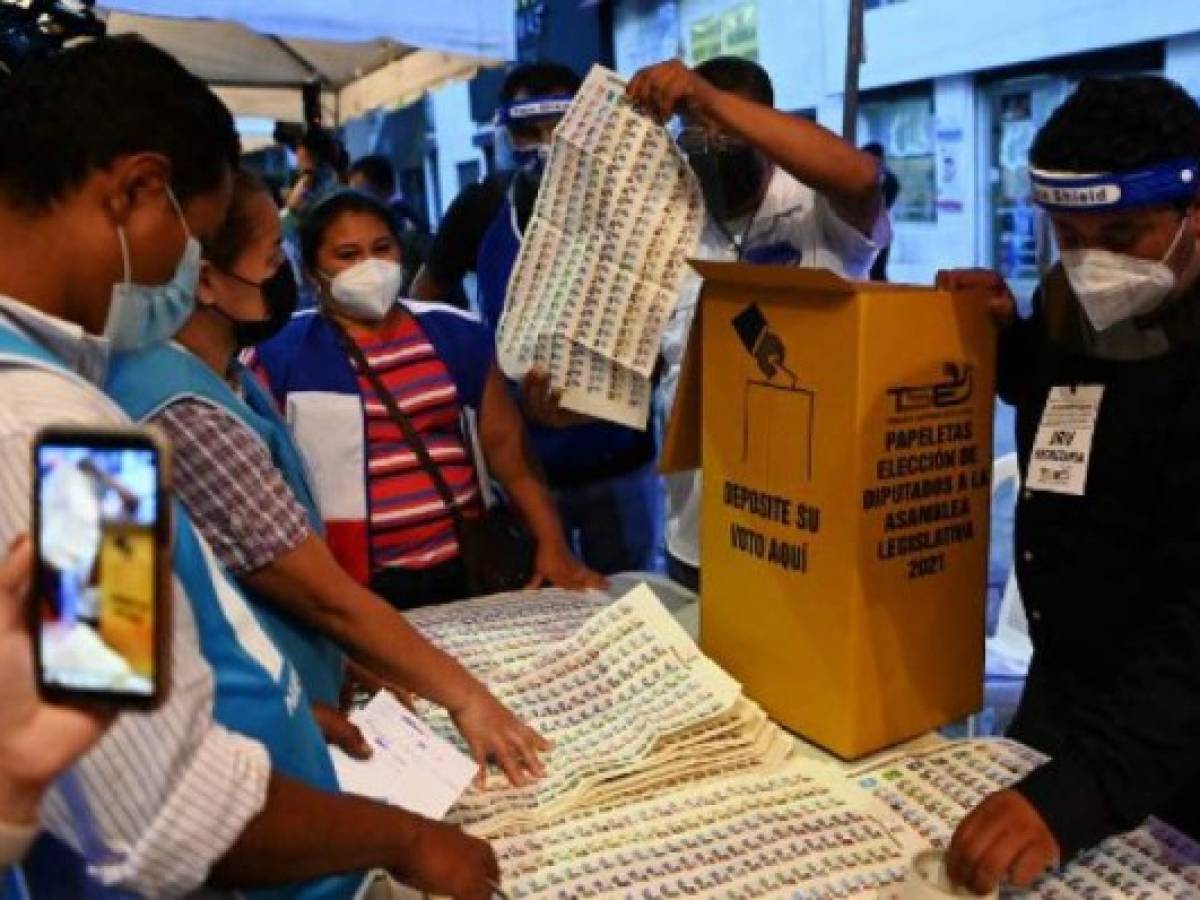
(141, 315)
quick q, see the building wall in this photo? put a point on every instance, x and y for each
(450, 118)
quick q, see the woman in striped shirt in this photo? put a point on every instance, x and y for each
(387, 521)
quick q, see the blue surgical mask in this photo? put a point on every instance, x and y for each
(141, 315)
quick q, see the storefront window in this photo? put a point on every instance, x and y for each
(904, 125)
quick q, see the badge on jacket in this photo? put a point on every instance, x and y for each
(1062, 449)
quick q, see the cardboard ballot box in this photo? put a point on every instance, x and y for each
(845, 431)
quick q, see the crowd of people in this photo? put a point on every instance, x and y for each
(346, 448)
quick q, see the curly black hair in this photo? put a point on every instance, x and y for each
(1118, 125)
(68, 115)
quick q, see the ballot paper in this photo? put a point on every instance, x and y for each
(598, 275)
(783, 833)
(666, 781)
(410, 766)
(931, 793)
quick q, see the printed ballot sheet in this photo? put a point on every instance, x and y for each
(666, 781)
(618, 214)
(931, 792)
(410, 766)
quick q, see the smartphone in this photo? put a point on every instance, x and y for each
(101, 588)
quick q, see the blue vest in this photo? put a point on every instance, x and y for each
(269, 707)
(570, 456)
(146, 382)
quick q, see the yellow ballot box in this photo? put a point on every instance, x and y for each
(845, 431)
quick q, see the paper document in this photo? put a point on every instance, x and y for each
(618, 213)
(411, 767)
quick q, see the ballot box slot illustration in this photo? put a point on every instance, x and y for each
(843, 543)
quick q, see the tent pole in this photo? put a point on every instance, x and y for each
(854, 61)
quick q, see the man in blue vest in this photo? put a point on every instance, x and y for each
(116, 162)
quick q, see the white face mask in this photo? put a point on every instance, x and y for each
(368, 289)
(1114, 287)
(141, 315)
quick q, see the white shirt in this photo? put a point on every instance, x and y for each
(794, 225)
(164, 794)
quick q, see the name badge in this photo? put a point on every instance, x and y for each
(1063, 447)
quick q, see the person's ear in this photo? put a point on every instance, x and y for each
(138, 180)
(206, 289)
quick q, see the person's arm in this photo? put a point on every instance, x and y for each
(308, 582)
(814, 155)
(164, 794)
(244, 508)
(455, 247)
(511, 459)
(303, 833)
(1127, 750)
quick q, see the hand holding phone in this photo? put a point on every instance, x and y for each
(102, 547)
(37, 740)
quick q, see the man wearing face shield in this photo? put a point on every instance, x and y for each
(601, 474)
(1105, 379)
(532, 101)
(779, 190)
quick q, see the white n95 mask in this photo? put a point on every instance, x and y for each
(141, 315)
(368, 289)
(1113, 287)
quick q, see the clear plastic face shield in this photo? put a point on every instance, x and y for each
(1112, 286)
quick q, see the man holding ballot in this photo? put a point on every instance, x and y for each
(778, 189)
(1105, 378)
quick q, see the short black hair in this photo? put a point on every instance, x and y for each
(65, 116)
(325, 148)
(317, 220)
(1117, 125)
(538, 79)
(378, 171)
(874, 148)
(739, 76)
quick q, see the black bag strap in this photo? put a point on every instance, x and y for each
(402, 421)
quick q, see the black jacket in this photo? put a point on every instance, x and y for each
(1111, 581)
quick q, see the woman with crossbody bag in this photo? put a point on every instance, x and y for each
(375, 390)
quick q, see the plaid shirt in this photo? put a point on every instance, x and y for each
(236, 497)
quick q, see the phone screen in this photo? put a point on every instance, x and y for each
(98, 540)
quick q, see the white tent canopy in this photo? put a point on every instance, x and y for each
(366, 54)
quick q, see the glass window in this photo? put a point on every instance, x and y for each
(904, 125)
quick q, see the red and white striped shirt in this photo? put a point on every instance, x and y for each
(410, 525)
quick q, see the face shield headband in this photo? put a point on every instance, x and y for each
(531, 109)
(1158, 185)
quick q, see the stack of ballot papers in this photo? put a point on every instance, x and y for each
(598, 275)
(666, 781)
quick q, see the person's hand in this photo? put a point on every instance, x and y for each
(340, 731)
(556, 564)
(671, 87)
(450, 863)
(300, 190)
(493, 732)
(1003, 839)
(988, 285)
(542, 404)
(38, 740)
